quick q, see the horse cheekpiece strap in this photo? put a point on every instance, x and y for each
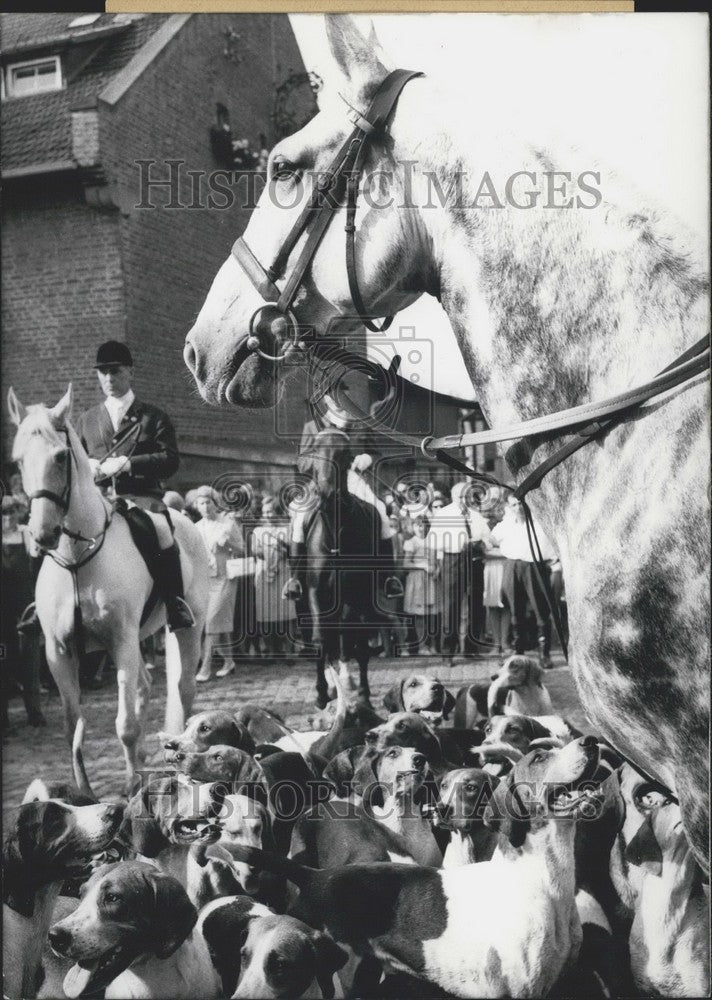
(313, 222)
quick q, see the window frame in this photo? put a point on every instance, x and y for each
(10, 68)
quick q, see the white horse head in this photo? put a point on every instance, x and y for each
(388, 240)
(43, 447)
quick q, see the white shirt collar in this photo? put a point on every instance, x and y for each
(117, 404)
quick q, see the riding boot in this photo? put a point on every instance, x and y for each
(170, 583)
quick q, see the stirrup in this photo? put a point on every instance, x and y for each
(28, 622)
(180, 615)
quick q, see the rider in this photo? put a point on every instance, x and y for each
(132, 446)
(334, 416)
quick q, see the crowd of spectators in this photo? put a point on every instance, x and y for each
(470, 585)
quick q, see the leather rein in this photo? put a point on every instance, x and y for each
(276, 322)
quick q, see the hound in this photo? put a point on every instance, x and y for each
(133, 935)
(463, 797)
(669, 939)
(518, 689)
(422, 694)
(431, 923)
(51, 841)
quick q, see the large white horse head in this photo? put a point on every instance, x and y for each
(386, 249)
(42, 451)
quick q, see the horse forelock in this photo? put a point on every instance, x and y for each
(37, 423)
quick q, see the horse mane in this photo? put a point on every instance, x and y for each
(37, 423)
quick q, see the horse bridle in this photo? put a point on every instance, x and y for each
(276, 319)
(62, 500)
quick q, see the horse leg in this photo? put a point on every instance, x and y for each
(362, 658)
(143, 696)
(64, 668)
(129, 665)
(322, 689)
(182, 656)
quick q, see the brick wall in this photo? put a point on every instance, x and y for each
(171, 255)
(62, 291)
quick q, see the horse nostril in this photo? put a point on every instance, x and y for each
(190, 357)
(60, 939)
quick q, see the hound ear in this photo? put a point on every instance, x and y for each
(366, 779)
(499, 815)
(174, 914)
(63, 409)
(18, 411)
(644, 850)
(242, 737)
(329, 959)
(362, 62)
(140, 828)
(393, 699)
(448, 705)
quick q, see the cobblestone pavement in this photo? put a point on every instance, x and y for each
(286, 687)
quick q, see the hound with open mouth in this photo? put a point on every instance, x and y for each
(133, 935)
(430, 923)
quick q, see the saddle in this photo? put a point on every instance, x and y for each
(145, 538)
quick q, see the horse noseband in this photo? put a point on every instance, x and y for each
(275, 322)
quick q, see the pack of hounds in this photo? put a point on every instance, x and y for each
(467, 845)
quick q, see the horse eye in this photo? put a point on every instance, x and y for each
(282, 170)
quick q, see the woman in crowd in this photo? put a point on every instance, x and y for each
(421, 598)
(276, 616)
(19, 572)
(223, 540)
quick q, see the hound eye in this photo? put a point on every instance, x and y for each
(111, 897)
(539, 755)
(413, 684)
(471, 788)
(218, 756)
(392, 753)
(400, 725)
(203, 727)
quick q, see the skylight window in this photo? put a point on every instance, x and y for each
(84, 20)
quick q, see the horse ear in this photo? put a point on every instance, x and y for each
(362, 62)
(63, 409)
(18, 411)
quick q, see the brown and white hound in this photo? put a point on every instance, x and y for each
(431, 924)
(50, 842)
(133, 935)
(422, 694)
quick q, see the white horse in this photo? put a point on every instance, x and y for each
(113, 585)
(550, 309)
